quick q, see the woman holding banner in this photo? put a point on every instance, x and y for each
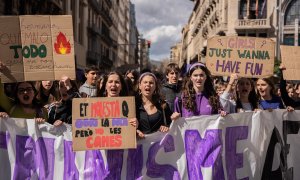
(198, 96)
(266, 95)
(25, 104)
(246, 97)
(153, 113)
(114, 86)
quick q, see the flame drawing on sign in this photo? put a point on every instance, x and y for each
(62, 46)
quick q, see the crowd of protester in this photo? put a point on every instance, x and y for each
(160, 99)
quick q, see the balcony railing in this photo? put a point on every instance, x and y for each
(252, 24)
(94, 29)
(95, 5)
(109, 3)
(105, 14)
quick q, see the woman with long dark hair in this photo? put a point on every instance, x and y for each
(114, 86)
(47, 92)
(266, 95)
(245, 95)
(153, 113)
(198, 96)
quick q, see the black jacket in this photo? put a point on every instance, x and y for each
(288, 101)
(63, 111)
(151, 123)
(170, 92)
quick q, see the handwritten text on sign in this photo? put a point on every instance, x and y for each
(102, 123)
(245, 56)
(36, 47)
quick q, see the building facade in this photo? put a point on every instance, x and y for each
(101, 27)
(133, 36)
(143, 53)
(254, 18)
(175, 54)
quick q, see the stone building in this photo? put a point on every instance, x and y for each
(255, 18)
(101, 27)
(175, 53)
(143, 53)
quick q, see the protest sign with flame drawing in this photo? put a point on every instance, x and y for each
(36, 48)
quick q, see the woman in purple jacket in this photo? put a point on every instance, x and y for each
(198, 96)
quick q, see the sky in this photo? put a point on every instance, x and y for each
(161, 22)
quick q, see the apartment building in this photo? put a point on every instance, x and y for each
(255, 18)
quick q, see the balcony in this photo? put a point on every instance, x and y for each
(109, 3)
(252, 24)
(94, 29)
(106, 38)
(93, 57)
(106, 16)
(95, 5)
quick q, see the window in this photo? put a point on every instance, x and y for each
(253, 9)
(289, 39)
(243, 9)
(292, 13)
(263, 35)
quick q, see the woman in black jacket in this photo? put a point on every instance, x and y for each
(62, 112)
(153, 113)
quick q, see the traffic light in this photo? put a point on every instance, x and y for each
(149, 44)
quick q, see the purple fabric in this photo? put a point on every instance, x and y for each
(234, 160)
(70, 170)
(115, 163)
(135, 163)
(204, 152)
(94, 167)
(194, 65)
(165, 171)
(202, 107)
(31, 156)
(4, 138)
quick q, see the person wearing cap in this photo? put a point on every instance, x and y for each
(152, 112)
(198, 96)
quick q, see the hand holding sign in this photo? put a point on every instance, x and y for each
(133, 122)
(66, 81)
(103, 123)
